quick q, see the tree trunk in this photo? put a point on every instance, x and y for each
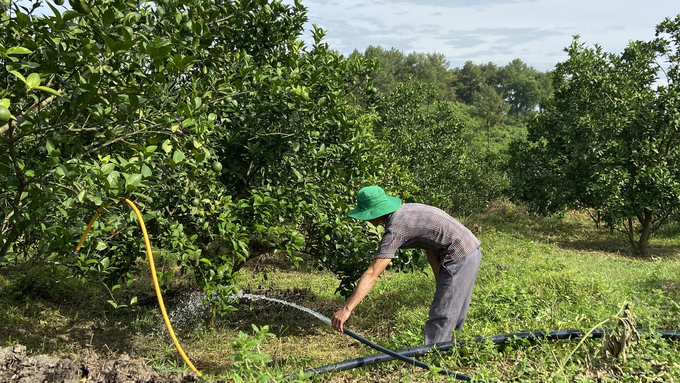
(646, 233)
(488, 135)
(640, 245)
(595, 216)
(630, 231)
(13, 232)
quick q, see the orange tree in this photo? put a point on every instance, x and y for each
(233, 137)
(608, 140)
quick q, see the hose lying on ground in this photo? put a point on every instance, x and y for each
(395, 355)
(151, 267)
(497, 339)
(367, 342)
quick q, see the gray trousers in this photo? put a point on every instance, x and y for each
(452, 298)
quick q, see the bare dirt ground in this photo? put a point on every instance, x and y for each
(17, 367)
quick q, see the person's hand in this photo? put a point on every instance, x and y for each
(339, 319)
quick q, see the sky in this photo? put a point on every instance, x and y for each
(482, 31)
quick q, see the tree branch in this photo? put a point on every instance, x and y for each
(108, 143)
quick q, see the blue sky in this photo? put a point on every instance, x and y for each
(498, 31)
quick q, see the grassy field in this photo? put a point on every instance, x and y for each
(536, 274)
(500, 136)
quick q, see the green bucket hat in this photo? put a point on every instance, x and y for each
(373, 203)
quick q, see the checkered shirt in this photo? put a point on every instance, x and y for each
(418, 226)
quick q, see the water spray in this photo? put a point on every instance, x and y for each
(377, 347)
(153, 273)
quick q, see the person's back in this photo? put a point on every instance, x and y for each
(419, 226)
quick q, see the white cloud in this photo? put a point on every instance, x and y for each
(492, 30)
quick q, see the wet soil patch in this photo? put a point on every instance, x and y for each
(17, 366)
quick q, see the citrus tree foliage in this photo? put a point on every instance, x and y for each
(232, 137)
(608, 138)
(426, 133)
(302, 155)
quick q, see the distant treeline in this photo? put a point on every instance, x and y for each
(521, 87)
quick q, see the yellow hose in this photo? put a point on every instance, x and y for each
(153, 272)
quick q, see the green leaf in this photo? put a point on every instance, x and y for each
(112, 179)
(107, 168)
(178, 156)
(19, 76)
(47, 89)
(5, 102)
(18, 51)
(145, 197)
(33, 80)
(146, 171)
(109, 17)
(101, 245)
(167, 146)
(132, 180)
(70, 15)
(128, 32)
(188, 123)
(49, 146)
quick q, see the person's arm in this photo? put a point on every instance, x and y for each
(434, 264)
(365, 285)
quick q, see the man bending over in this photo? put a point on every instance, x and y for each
(452, 252)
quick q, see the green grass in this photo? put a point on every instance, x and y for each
(500, 136)
(536, 274)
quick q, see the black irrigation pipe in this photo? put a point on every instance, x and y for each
(388, 355)
(392, 354)
(396, 355)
